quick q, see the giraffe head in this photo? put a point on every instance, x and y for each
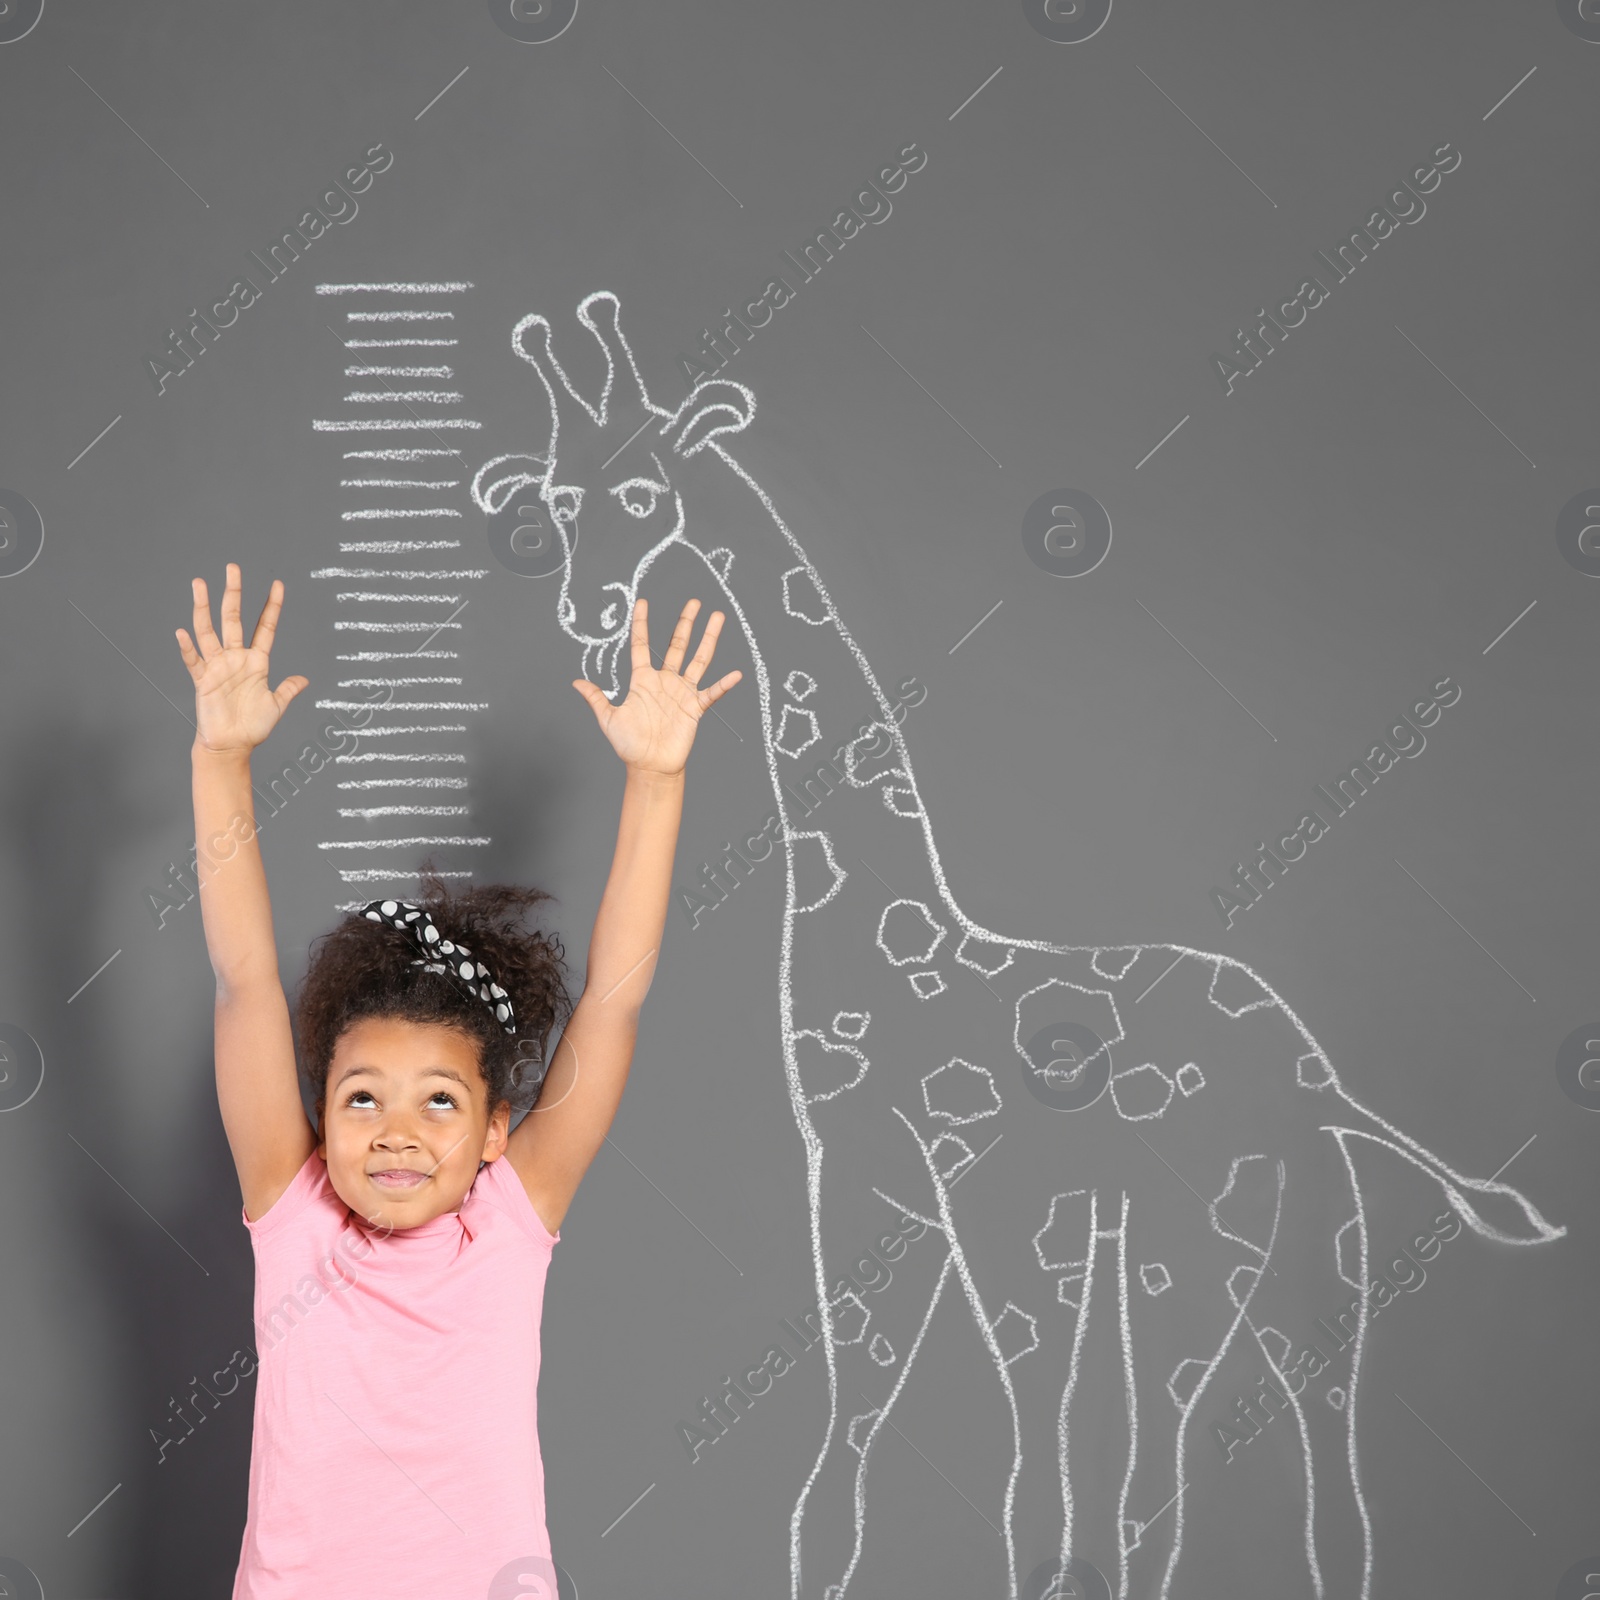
(610, 478)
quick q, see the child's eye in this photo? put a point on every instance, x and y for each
(358, 1094)
(445, 1095)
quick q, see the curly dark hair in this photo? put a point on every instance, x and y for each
(362, 968)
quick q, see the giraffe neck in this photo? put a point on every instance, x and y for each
(818, 694)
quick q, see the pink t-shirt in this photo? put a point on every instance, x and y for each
(396, 1445)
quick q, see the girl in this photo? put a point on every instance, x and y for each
(401, 1244)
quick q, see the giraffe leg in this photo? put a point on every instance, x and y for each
(1261, 1459)
(1071, 1393)
(877, 1313)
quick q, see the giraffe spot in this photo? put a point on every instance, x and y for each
(907, 933)
(870, 756)
(851, 1024)
(881, 1350)
(797, 731)
(1141, 1093)
(1235, 989)
(1191, 1080)
(950, 1154)
(798, 685)
(1336, 1398)
(1015, 1332)
(1114, 963)
(1242, 1283)
(719, 560)
(1155, 1278)
(825, 1068)
(850, 1318)
(1246, 1210)
(1276, 1345)
(860, 1436)
(901, 800)
(817, 876)
(1184, 1384)
(1057, 1001)
(960, 1092)
(1063, 1241)
(803, 598)
(1069, 1290)
(1313, 1071)
(927, 984)
(984, 955)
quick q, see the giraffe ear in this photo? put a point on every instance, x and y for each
(715, 406)
(495, 481)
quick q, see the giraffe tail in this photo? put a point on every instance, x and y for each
(1490, 1208)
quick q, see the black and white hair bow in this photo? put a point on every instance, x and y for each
(452, 960)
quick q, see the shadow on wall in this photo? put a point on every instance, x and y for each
(122, 1313)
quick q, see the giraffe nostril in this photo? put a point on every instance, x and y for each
(608, 617)
(567, 611)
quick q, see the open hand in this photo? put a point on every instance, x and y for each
(234, 708)
(654, 726)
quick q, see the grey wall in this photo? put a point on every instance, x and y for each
(1294, 561)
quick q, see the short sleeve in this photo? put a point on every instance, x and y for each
(306, 1184)
(506, 1192)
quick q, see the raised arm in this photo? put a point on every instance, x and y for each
(652, 730)
(257, 1084)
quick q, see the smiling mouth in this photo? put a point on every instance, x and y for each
(398, 1178)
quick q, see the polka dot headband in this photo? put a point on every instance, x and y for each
(459, 963)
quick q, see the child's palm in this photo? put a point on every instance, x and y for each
(654, 726)
(234, 708)
(233, 704)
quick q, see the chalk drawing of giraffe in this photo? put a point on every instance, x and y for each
(1175, 1199)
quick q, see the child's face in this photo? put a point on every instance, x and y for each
(406, 1098)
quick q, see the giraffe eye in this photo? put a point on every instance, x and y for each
(638, 496)
(564, 504)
